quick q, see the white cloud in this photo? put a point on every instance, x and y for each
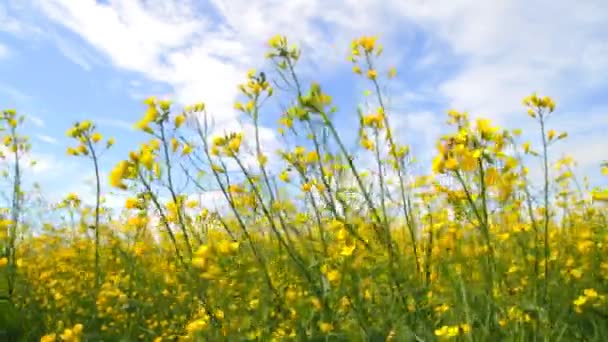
(4, 51)
(501, 50)
(508, 48)
(47, 139)
(9, 24)
(511, 48)
(14, 94)
(115, 123)
(176, 48)
(171, 42)
(36, 120)
(78, 55)
(127, 32)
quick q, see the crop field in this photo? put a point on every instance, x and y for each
(320, 239)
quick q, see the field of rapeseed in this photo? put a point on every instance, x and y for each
(315, 242)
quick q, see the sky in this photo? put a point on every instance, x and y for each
(64, 60)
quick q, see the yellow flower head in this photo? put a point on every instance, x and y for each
(372, 74)
(96, 137)
(179, 120)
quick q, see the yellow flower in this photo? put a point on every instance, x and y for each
(347, 250)
(217, 168)
(68, 335)
(366, 143)
(492, 176)
(576, 273)
(164, 104)
(249, 106)
(96, 137)
(367, 43)
(306, 187)
(548, 103)
(3, 261)
(326, 327)
(443, 331)
(186, 150)
(72, 151)
(312, 157)
(82, 149)
(146, 158)
(85, 125)
(371, 74)
(117, 174)
(226, 247)
(551, 134)
(580, 301)
(235, 144)
(484, 127)
(174, 144)
(451, 163)
(254, 303)
(150, 101)
(531, 113)
(179, 120)
(131, 203)
(77, 328)
(374, 120)
(443, 308)
(262, 159)
(110, 142)
(600, 196)
(219, 141)
(49, 338)
(277, 41)
(72, 132)
(333, 276)
(316, 303)
(590, 293)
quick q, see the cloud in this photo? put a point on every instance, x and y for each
(204, 51)
(511, 48)
(4, 51)
(36, 120)
(9, 24)
(14, 94)
(171, 46)
(127, 32)
(482, 57)
(79, 55)
(115, 123)
(47, 139)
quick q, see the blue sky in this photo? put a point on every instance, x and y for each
(66, 60)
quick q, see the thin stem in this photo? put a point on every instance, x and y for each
(97, 207)
(546, 199)
(162, 215)
(15, 211)
(398, 166)
(178, 205)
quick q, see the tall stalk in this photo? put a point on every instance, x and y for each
(15, 207)
(97, 209)
(541, 118)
